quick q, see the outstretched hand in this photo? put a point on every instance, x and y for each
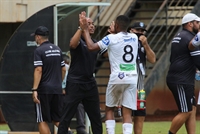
(83, 20)
(111, 29)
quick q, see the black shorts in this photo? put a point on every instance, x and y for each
(50, 107)
(139, 112)
(183, 95)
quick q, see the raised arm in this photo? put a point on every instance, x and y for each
(75, 39)
(84, 26)
(151, 57)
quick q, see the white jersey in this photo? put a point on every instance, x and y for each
(122, 52)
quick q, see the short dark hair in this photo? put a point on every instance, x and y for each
(123, 22)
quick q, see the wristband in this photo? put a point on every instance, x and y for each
(80, 28)
(33, 90)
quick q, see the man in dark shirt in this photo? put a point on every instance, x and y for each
(144, 53)
(47, 85)
(181, 74)
(81, 85)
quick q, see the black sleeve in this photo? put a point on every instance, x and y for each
(195, 54)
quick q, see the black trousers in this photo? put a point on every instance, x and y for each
(80, 118)
(88, 95)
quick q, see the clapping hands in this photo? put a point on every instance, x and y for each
(83, 20)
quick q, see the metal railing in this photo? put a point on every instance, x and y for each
(163, 26)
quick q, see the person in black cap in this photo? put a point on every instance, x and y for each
(144, 53)
(47, 84)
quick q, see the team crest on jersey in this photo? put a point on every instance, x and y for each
(142, 49)
(196, 38)
(121, 75)
(106, 40)
(51, 47)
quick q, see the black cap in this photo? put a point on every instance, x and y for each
(139, 25)
(41, 30)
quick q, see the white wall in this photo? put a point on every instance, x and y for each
(20, 10)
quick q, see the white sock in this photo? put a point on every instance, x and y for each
(127, 128)
(110, 126)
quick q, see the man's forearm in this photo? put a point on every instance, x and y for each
(37, 78)
(75, 39)
(151, 57)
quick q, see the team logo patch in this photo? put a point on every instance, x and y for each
(106, 40)
(121, 75)
(142, 49)
(51, 47)
(141, 24)
(196, 38)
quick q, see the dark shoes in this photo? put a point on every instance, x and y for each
(70, 132)
(82, 132)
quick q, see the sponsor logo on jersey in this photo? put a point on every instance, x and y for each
(130, 75)
(127, 40)
(106, 40)
(121, 75)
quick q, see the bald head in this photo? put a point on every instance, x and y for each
(91, 26)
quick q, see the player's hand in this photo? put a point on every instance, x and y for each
(83, 20)
(196, 40)
(35, 97)
(111, 29)
(143, 40)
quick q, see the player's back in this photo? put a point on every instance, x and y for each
(122, 51)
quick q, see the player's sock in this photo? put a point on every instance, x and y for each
(127, 128)
(110, 126)
(170, 132)
(196, 40)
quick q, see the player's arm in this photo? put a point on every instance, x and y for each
(74, 42)
(195, 42)
(151, 57)
(90, 44)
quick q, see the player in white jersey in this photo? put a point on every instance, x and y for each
(122, 52)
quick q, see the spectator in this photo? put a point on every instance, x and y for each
(144, 53)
